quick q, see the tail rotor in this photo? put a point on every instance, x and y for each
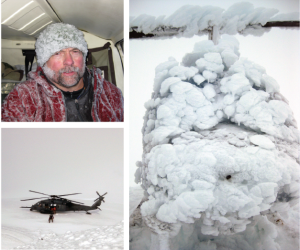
(100, 198)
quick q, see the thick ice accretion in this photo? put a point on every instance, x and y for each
(217, 150)
(213, 88)
(293, 16)
(224, 177)
(190, 20)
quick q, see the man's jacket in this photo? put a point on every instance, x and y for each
(36, 100)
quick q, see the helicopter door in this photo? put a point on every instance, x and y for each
(53, 208)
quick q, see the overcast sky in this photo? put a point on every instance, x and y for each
(277, 51)
(62, 161)
(167, 7)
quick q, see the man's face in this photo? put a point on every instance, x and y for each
(65, 67)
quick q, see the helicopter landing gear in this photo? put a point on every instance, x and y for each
(88, 212)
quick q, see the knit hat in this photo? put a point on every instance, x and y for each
(56, 37)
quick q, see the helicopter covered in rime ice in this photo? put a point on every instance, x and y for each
(58, 204)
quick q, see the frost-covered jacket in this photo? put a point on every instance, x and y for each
(36, 100)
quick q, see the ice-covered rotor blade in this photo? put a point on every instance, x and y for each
(194, 20)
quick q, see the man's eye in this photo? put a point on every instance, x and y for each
(57, 53)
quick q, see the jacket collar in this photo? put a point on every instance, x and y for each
(39, 77)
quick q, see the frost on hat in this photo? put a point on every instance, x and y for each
(56, 37)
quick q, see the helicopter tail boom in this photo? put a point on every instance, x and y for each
(96, 204)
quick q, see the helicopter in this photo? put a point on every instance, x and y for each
(58, 204)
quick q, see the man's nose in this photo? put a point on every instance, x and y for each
(68, 59)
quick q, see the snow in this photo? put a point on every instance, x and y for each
(262, 141)
(24, 229)
(193, 19)
(106, 237)
(56, 37)
(294, 16)
(54, 161)
(198, 79)
(218, 156)
(252, 92)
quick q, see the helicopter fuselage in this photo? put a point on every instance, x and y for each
(58, 204)
(55, 205)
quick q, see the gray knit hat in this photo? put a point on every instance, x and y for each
(56, 37)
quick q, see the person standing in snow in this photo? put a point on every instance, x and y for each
(51, 218)
(62, 88)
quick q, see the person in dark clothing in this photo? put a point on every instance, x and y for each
(51, 218)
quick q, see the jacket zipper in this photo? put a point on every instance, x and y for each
(77, 107)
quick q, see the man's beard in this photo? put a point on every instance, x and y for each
(65, 81)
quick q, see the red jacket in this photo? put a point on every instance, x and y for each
(35, 100)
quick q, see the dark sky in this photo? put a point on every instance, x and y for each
(62, 161)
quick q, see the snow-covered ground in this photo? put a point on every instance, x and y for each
(23, 229)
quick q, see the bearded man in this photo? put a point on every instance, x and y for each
(62, 88)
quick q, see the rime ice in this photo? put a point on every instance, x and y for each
(220, 154)
(190, 20)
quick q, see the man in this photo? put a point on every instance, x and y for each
(51, 218)
(62, 88)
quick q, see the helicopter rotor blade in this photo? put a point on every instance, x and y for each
(34, 199)
(68, 194)
(38, 192)
(53, 197)
(102, 194)
(75, 202)
(101, 197)
(78, 202)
